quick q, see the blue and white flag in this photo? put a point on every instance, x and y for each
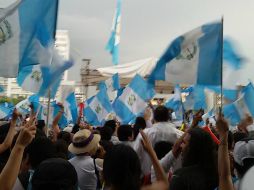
(196, 99)
(194, 58)
(5, 111)
(237, 111)
(46, 75)
(111, 84)
(72, 109)
(176, 101)
(98, 108)
(23, 107)
(133, 100)
(22, 25)
(114, 40)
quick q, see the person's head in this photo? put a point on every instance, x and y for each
(121, 168)
(161, 114)
(40, 149)
(111, 124)
(75, 129)
(238, 136)
(40, 124)
(84, 142)
(125, 133)
(55, 173)
(243, 156)
(61, 149)
(106, 133)
(161, 148)
(199, 149)
(140, 123)
(64, 136)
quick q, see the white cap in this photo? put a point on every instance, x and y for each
(242, 150)
(247, 183)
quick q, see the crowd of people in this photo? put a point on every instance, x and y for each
(151, 154)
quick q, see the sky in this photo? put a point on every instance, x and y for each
(148, 26)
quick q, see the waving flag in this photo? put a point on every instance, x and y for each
(44, 76)
(111, 84)
(23, 107)
(72, 111)
(114, 40)
(133, 100)
(22, 25)
(175, 102)
(194, 58)
(98, 108)
(237, 111)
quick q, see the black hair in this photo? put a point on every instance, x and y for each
(40, 124)
(64, 136)
(161, 148)
(106, 133)
(121, 168)
(201, 151)
(40, 149)
(247, 164)
(140, 123)
(61, 147)
(124, 132)
(161, 114)
(111, 124)
(230, 140)
(238, 136)
(75, 129)
(55, 173)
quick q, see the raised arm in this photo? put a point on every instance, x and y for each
(8, 140)
(11, 169)
(225, 181)
(159, 172)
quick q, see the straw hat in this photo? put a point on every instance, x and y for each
(84, 142)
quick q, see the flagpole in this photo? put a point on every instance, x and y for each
(49, 93)
(221, 86)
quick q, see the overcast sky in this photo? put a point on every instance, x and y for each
(148, 26)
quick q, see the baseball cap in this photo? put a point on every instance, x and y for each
(247, 183)
(243, 149)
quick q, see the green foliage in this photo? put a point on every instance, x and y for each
(4, 99)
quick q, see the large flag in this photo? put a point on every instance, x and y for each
(98, 108)
(22, 25)
(111, 84)
(114, 40)
(133, 99)
(193, 58)
(237, 110)
(45, 76)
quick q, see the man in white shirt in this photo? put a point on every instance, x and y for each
(162, 130)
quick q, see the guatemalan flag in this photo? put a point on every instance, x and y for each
(193, 58)
(23, 107)
(22, 25)
(133, 99)
(98, 108)
(111, 84)
(45, 75)
(114, 40)
(70, 104)
(237, 110)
